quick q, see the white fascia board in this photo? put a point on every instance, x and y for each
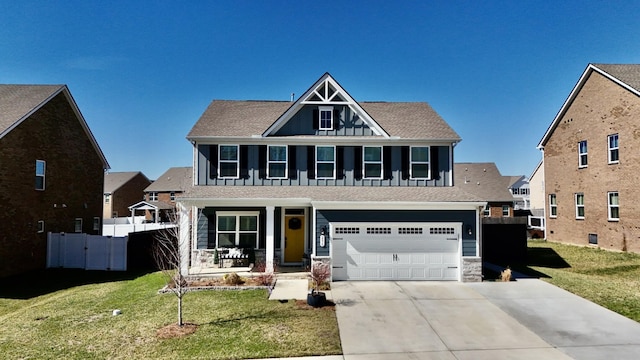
(395, 205)
(313, 139)
(234, 202)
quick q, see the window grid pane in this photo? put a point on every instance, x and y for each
(613, 148)
(325, 163)
(372, 160)
(277, 162)
(582, 153)
(420, 162)
(237, 230)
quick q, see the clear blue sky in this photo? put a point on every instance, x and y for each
(142, 72)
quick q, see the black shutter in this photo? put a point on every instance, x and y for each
(339, 162)
(316, 119)
(357, 162)
(262, 159)
(336, 119)
(434, 162)
(405, 162)
(386, 162)
(244, 161)
(213, 161)
(291, 162)
(311, 162)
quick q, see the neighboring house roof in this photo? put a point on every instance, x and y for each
(421, 194)
(483, 180)
(625, 75)
(406, 120)
(113, 181)
(151, 205)
(175, 179)
(516, 181)
(18, 102)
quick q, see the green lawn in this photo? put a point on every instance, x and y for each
(611, 279)
(69, 321)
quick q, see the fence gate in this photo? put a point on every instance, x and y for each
(89, 252)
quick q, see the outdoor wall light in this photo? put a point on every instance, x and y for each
(323, 239)
(469, 230)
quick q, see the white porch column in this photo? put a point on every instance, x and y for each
(270, 243)
(183, 233)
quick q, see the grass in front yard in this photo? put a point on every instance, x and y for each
(77, 323)
(611, 279)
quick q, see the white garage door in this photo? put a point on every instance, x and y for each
(396, 251)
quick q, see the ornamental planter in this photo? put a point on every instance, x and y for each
(316, 298)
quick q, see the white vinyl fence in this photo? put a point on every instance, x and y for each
(83, 251)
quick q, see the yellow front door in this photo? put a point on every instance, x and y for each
(293, 238)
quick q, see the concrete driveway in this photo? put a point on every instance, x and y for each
(526, 319)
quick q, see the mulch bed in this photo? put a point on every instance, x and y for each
(174, 331)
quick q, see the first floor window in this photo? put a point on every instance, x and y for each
(613, 149)
(325, 162)
(372, 159)
(172, 196)
(579, 206)
(107, 198)
(40, 226)
(41, 166)
(420, 162)
(77, 225)
(505, 210)
(237, 230)
(582, 153)
(553, 206)
(487, 211)
(277, 162)
(613, 205)
(228, 161)
(96, 223)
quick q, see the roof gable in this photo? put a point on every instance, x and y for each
(625, 75)
(325, 92)
(113, 181)
(19, 102)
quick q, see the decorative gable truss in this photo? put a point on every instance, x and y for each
(327, 99)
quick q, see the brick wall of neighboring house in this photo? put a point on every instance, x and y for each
(601, 108)
(128, 194)
(74, 183)
(495, 210)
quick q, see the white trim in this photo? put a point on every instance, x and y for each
(578, 206)
(283, 227)
(325, 109)
(237, 161)
(333, 177)
(610, 206)
(581, 154)
(77, 221)
(285, 162)
(43, 175)
(371, 162)
(609, 148)
(555, 196)
(40, 226)
(237, 231)
(328, 140)
(412, 162)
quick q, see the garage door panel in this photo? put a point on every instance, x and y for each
(428, 251)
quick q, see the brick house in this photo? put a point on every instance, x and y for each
(367, 187)
(590, 158)
(162, 193)
(51, 173)
(485, 181)
(121, 189)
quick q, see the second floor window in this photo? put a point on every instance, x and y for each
(228, 164)
(613, 149)
(579, 206)
(41, 166)
(325, 162)
(505, 210)
(614, 206)
(172, 196)
(326, 118)
(96, 223)
(277, 162)
(77, 225)
(107, 198)
(153, 196)
(372, 159)
(582, 153)
(420, 162)
(553, 206)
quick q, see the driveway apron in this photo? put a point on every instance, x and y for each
(430, 320)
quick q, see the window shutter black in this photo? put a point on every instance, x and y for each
(434, 162)
(311, 162)
(244, 161)
(316, 119)
(405, 162)
(386, 162)
(291, 162)
(357, 162)
(336, 119)
(339, 162)
(262, 159)
(213, 161)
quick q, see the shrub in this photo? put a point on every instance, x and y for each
(264, 278)
(320, 273)
(233, 279)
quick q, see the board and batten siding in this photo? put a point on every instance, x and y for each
(468, 218)
(302, 160)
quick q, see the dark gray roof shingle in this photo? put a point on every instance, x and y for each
(483, 180)
(175, 179)
(627, 73)
(16, 101)
(113, 181)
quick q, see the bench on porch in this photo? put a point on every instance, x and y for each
(235, 254)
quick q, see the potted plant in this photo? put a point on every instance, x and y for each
(320, 272)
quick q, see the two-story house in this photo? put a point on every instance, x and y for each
(365, 186)
(160, 197)
(51, 173)
(590, 159)
(485, 181)
(121, 189)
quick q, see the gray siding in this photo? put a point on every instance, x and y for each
(467, 217)
(347, 124)
(347, 175)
